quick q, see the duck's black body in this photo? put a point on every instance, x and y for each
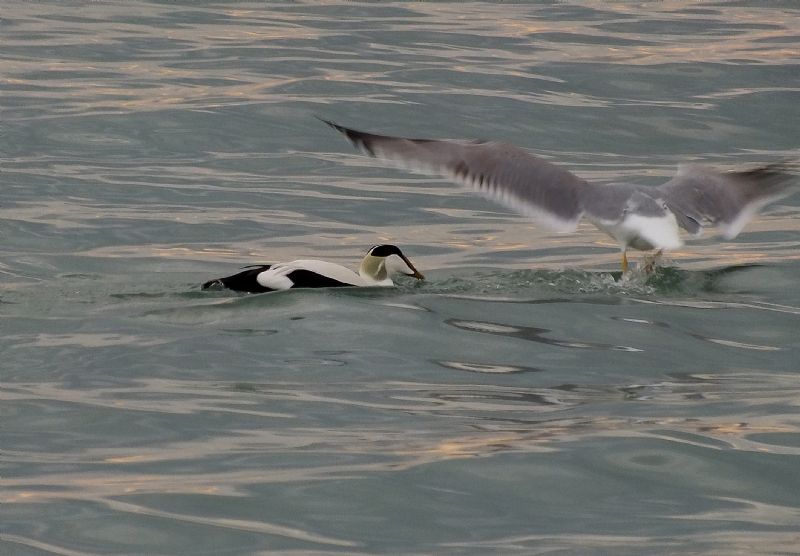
(244, 281)
(247, 280)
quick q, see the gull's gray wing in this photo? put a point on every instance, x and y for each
(700, 196)
(502, 172)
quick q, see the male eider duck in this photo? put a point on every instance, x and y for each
(379, 265)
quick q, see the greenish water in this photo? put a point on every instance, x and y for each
(524, 399)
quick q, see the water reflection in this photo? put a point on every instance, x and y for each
(533, 334)
(486, 368)
(736, 344)
(142, 150)
(383, 428)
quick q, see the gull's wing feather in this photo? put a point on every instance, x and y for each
(502, 172)
(700, 196)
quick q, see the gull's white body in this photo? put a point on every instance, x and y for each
(644, 232)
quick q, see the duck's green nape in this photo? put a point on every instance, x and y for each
(373, 268)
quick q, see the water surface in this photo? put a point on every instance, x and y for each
(524, 399)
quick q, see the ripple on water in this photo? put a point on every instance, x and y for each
(533, 334)
(486, 368)
(145, 150)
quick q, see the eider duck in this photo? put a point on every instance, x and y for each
(379, 265)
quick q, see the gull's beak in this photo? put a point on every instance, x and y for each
(416, 273)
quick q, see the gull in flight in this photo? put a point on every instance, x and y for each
(637, 217)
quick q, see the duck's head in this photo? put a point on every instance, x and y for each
(384, 261)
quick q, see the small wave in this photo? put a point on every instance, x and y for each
(517, 283)
(509, 285)
(666, 280)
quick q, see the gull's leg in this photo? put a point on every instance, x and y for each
(624, 261)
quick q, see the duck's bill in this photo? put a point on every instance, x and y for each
(416, 274)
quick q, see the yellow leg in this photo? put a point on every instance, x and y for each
(624, 262)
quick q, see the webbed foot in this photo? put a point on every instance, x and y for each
(651, 261)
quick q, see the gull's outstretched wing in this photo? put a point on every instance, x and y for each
(700, 196)
(502, 172)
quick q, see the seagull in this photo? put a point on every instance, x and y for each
(637, 217)
(377, 268)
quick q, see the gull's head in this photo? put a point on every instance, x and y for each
(647, 223)
(384, 261)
